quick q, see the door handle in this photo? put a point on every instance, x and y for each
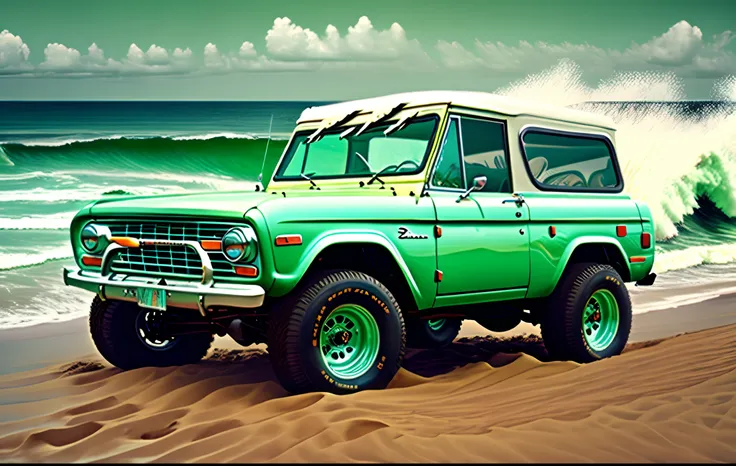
(518, 199)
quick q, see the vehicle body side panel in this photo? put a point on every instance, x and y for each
(579, 219)
(372, 219)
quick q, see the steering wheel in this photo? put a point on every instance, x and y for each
(396, 167)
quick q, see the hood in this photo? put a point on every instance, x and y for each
(205, 204)
(232, 205)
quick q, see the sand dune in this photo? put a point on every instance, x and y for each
(477, 401)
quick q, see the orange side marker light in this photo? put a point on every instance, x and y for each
(288, 240)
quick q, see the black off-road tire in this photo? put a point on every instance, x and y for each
(113, 327)
(562, 315)
(420, 334)
(294, 327)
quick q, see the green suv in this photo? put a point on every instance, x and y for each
(386, 223)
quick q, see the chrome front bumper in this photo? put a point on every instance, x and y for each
(187, 295)
(183, 294)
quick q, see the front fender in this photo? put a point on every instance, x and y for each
(285, 282)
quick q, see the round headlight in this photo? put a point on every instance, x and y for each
(240, 245)
(92, 237)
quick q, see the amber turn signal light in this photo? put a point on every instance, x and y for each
(246, 270)
(211, 245)
(92, 261)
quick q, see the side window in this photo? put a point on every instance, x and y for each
(562, 161)
(448, 173)
(484, 153)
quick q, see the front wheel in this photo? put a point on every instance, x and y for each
(589, 315)
(341, 334)
(129, 337)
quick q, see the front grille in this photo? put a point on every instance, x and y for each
(160, 260)
(179, 261)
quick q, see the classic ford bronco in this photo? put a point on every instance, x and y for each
(386, 222)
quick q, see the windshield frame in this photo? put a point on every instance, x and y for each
(290, 150)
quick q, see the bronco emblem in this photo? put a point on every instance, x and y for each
(404, 233)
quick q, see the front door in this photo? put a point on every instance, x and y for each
(484, 244)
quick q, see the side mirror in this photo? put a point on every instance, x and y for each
(479, 182)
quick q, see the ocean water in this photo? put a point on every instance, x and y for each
(55, 157)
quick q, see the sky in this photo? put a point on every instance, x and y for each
(335, 50)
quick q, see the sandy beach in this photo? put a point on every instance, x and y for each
(669, 397)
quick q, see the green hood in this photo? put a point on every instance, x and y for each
(234, 204)
(205, 204)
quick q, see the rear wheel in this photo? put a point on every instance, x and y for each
(431, 333)
(343, 333)
(589, 315)
(129, 337)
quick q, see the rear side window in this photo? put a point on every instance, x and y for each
(570, 162)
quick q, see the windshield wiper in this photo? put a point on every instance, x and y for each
(375, 176)
(309, 178)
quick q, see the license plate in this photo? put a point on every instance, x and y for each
(152, 299)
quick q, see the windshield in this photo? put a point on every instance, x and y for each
(402, 152)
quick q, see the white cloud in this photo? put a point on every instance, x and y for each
(13, 52)
(248, 50)
(180, 54)
(96, 54)
(247, 59)
(288, 41)
(678, 46)
(681, 48)
(212, 57)
(157, 55)
(61, 57)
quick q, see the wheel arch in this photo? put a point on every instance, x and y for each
(598, 249)
(349, 251)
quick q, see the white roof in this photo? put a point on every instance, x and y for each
(477, 100)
